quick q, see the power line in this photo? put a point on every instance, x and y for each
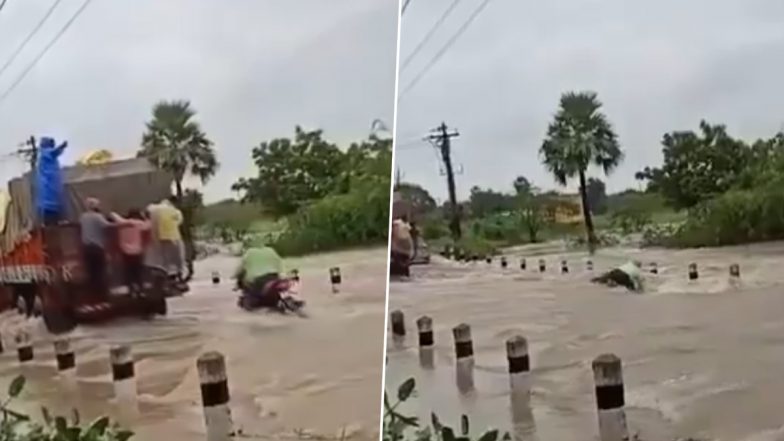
(405, 6)
(2, 5)
(429, 34)
(29, 36)
(447, 46)
(45, 50)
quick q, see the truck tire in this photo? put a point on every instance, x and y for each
(161, 307)
(58, 321)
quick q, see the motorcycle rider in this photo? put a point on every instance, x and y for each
(259, 268)
(628, 275)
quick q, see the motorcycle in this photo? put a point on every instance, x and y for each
(288, 303)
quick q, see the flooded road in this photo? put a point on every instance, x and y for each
(701, 358)
(289, 377)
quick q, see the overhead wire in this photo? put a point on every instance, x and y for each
(29, 37)
(405, 6)
(446, 46)
(429, 34)
(46, 49)
(2, 5)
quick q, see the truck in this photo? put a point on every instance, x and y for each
(44, 262)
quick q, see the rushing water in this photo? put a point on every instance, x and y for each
(286, 374)
(701, 358)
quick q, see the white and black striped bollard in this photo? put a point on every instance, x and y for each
(215, 396)
(215, 278)
(589, 265)
(24, 347)
(519, 365)
(523, 264)
(504, 263)
(564, 267)
(123, 375)
(464, 357)
(654, 268)
(398, 322)
(336, 279)
(542, 265)
(735, 275)
(610, 402)
(66, 360)
(295, 275)
(426, 342)
(693, 273)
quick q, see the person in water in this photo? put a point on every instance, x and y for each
(402, 248)
(628, 275)
(259, 267)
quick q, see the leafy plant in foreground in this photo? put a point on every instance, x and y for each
(399, 427)
(15, 426)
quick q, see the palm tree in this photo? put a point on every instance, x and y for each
(175, 142)
(580, 136)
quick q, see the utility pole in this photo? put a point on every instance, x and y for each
(29, 150)
(441, 137)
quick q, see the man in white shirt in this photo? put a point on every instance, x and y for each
(628, 275)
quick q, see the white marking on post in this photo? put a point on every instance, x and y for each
(608, 379)
(215, 396)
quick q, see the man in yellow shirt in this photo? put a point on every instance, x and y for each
(167, 219)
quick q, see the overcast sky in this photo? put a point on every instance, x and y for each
(657, 65)
(253, 69)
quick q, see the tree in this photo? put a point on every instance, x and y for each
(420, 201)
(483, 202)
(192, 204)
(522, 185)
(293, 172)
(529, 207)
(698, 167)
(580, 136)
(531, 214)
(597, 195)
(175, 142)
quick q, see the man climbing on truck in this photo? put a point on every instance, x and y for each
(93, 227)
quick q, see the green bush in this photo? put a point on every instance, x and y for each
(15, 426)
(358, 217)
(399, 427)
(498, 227)
(630, 220)
(433, 229)
(735, 217)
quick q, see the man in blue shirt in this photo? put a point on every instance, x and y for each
(49, 188)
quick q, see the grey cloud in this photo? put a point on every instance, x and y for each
(252, 69)
(657, 66)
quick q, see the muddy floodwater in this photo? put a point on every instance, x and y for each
(289, 377)
(701, 358)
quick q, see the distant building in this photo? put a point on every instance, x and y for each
(564, 208)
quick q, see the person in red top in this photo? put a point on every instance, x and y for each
(132, 234)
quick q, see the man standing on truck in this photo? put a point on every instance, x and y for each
(49, 191)
(94, 225)
(167, 219)
(132, 245)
